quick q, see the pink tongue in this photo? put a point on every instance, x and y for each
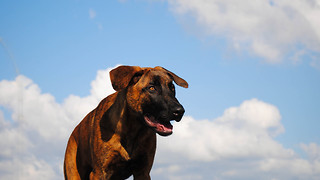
(164, 127)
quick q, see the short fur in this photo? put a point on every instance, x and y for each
(118, 138)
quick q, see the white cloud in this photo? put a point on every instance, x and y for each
(20, 145)
(242, 132)
(27, 168)
(272, 30)
(33, 141)
(312, 150)
(238, 145)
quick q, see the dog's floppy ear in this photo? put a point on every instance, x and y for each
(122, 75)
(178, 80)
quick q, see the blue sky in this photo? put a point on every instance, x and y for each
(253, 54)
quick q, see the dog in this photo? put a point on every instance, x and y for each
(118, 138)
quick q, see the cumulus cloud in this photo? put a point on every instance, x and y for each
(241, 132)
(240, 144)
(27, 168)
(272, 30)
(312, 150)
(34, 139)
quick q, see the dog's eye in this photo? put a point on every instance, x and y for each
(152, 88)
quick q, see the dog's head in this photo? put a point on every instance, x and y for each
(151, 93)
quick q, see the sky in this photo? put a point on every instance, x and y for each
(253, 68)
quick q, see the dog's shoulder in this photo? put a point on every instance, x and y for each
(104, 105)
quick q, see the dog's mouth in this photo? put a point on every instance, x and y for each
(163, 128)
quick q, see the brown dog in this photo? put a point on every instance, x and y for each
(118, 138)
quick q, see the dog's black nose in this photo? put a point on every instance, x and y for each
(178, 113)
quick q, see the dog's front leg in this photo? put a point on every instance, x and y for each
(144, 168)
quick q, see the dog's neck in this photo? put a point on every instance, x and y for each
(130, 133)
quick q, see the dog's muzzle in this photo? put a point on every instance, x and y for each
(163, 125)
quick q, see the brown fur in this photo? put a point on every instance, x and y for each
(112, 142)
